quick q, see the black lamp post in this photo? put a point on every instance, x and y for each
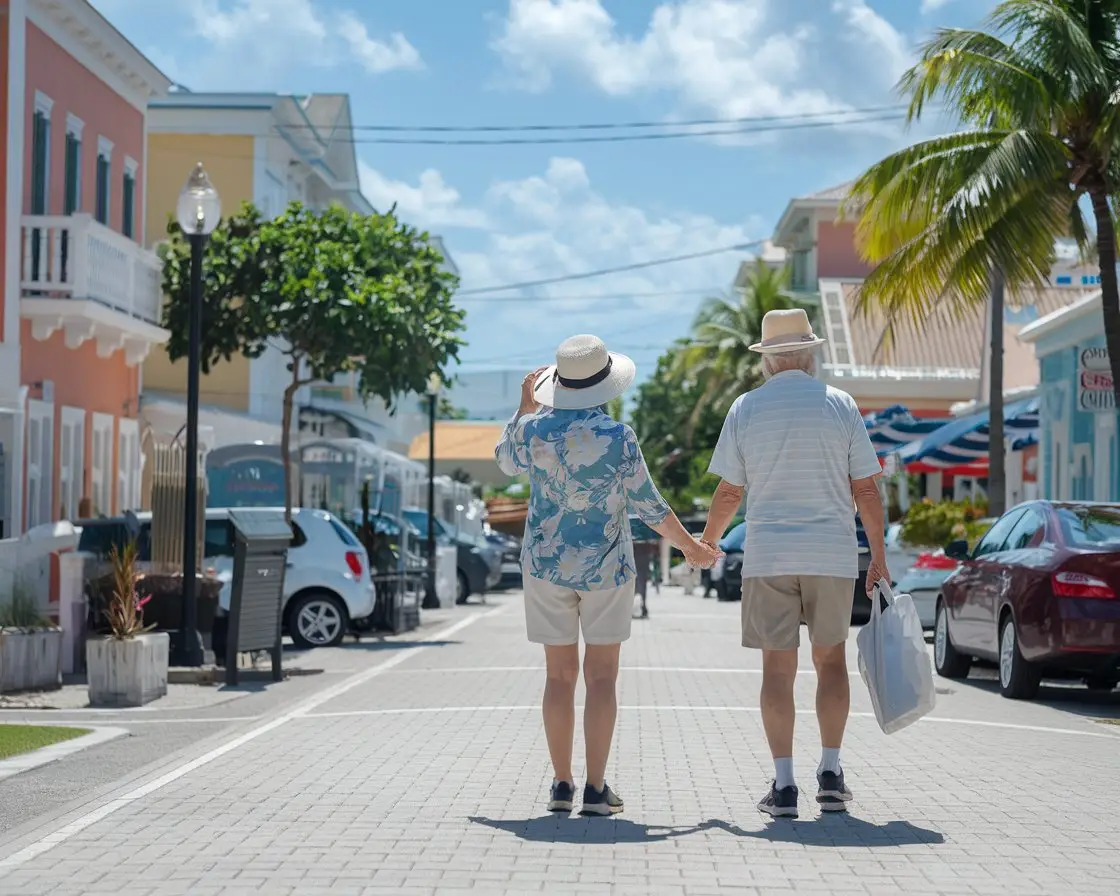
(431, 600)
(199, 210)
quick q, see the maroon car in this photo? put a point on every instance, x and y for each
(1039, 595)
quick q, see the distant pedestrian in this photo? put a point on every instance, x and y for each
(586, 473)
(800, 452)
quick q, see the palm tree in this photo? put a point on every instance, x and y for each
(718, 354)
(950, 221)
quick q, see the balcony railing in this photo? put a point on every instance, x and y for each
(75, 257)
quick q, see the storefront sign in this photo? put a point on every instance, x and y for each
(1095, 390)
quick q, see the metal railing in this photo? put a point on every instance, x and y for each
(75, 257)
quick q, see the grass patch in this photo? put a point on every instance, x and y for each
(17, 739)
(1109, 721)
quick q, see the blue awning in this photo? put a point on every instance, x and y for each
(895, 427)
(965, 441)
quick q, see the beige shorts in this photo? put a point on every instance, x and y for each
(555, 614)
(775, 606)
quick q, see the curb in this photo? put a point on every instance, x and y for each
(217, 674)
(45, 755)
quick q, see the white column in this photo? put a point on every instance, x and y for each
(934, 484)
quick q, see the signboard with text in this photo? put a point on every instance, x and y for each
(1095, 390)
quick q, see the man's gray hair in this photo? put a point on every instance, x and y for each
(804, 359)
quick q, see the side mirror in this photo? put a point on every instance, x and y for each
(957, 549)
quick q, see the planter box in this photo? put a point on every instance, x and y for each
(30, 660)
(127, 673)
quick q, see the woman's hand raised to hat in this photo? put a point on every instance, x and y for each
(701, 554)
(529, 403)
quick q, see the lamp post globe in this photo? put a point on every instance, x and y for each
(199, 208)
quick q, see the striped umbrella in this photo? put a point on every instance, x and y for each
(894, 427)
(964, 442)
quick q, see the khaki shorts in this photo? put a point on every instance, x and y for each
(555, 614)
(775, 606)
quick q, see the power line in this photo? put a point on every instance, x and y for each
(609, 126)
(622, 269)
(628, 138)
(591, 297)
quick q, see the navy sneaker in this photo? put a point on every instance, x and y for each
(832, 794)
(560, 800)
(780, 803)
(600, 802)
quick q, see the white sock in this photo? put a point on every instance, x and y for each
(830, 760)
(783, 773)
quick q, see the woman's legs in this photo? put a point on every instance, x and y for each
(600, 675)
(559, 706)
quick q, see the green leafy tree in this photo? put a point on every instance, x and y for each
(335, 291)
(445, 410)
(616, 408)
(950, 221)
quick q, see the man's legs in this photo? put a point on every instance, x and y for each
(559, 706)
(779, 671)
(833, 699)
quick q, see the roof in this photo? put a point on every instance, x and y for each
(837, 193)
(828, 199)
(1057, 319)
(459, 440)
(946, 341)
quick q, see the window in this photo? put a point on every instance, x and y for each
(101, 476)
(128, 199)
(345, 534)
(993, 542)
(218, 539)
(104, 170)
(73, 200)
(1091, 527)
(40, 462)
(40, 175)
(1029, 532)
(299, 539)
(128, 464)
(72, 461)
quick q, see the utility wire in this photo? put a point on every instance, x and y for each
(621, 269)
(591, 297)
(608, 126)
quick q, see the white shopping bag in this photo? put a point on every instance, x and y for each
(894, 662)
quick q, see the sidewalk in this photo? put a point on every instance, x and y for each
(428, 774)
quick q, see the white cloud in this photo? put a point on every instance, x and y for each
(555, 223)
(735, 57)
(252, 44)
(431, 204)
(929, 6)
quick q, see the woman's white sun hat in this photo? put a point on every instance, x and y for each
(786, 330)
(585, 375)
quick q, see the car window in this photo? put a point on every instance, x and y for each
(98, 538)
(1029, 532)
(997, 535)
(733, 540)
(1091, 527)
(218, 540)
(342, 532)
(298, 537)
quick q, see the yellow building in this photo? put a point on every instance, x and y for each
(267, 149)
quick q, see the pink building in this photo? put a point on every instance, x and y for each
(81, 296)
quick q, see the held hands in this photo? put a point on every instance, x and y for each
(701, 554)
(529, 404)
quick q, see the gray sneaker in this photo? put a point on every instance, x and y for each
(780, 803)
(600, 802)
(832, 794)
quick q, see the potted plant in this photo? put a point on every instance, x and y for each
(30, 646)
(127, 667)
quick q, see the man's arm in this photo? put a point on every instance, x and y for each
(727, 499)
(870, 506)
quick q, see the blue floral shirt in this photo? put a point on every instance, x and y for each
(586, 474)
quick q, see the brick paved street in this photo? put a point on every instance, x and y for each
(427, 774)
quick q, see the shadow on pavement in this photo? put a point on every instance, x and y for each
(835, 829)
(372, 642)
(564, 829)
(1071, 697)
(839, 829)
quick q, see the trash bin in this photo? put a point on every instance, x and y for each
(260, 554)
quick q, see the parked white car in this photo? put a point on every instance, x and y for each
(923, 581)
(327, 581)
(900, 556)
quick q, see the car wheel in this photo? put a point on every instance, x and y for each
(948, 662)
(1018, 679)
(721, 590)
(318, 619)
(463, 587)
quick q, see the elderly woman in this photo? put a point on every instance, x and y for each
(586, 476)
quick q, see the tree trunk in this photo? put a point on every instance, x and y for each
(286, 438)
(997, 474)
(1110, 293)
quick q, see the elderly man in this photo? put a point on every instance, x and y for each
(800, 452)
(586, 474)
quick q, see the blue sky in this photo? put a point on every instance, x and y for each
(516, 213)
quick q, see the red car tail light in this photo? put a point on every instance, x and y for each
(1078, 584)
(354, 561)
